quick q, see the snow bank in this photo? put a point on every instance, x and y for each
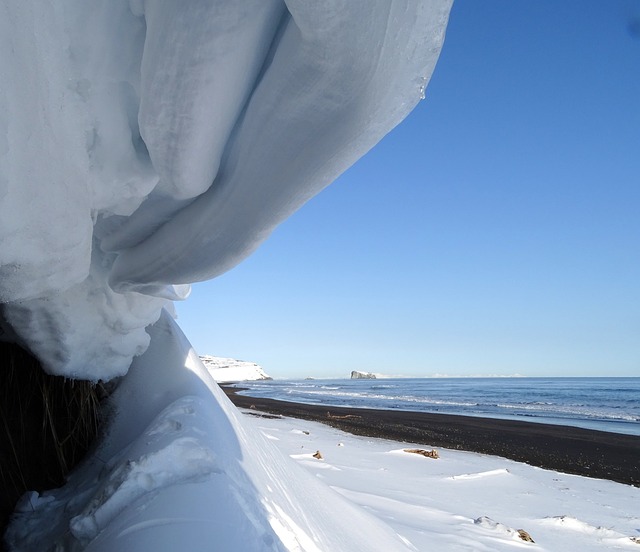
(225, 370)
(149, 145)
(180, 469)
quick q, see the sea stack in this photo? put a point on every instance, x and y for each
(355, 374)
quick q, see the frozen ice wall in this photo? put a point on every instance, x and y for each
(146, 145)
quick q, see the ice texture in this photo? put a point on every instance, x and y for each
(149, 145)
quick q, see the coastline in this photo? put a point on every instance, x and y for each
(566, 449)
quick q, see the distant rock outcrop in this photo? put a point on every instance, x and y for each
(225, 370)
(362, 375)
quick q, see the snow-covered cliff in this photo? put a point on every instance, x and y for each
(225, 370)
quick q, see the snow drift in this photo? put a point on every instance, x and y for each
(179, 470)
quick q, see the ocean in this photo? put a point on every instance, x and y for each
(605, 404)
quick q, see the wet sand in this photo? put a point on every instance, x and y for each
(590, 453)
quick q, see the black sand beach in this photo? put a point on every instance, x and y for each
(565, 449)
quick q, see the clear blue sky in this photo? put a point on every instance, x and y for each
(495, 231)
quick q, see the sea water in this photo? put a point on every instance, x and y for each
(605, 404)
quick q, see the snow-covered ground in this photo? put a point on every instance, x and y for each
(181, 468)
(462, 501)
(225, 370)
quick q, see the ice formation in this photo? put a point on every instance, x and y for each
(146, 145)
(149, 145)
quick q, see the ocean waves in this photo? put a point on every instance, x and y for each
(606, 404)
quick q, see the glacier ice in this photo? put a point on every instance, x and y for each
(149, 145)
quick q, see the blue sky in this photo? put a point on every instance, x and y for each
(495, 231)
